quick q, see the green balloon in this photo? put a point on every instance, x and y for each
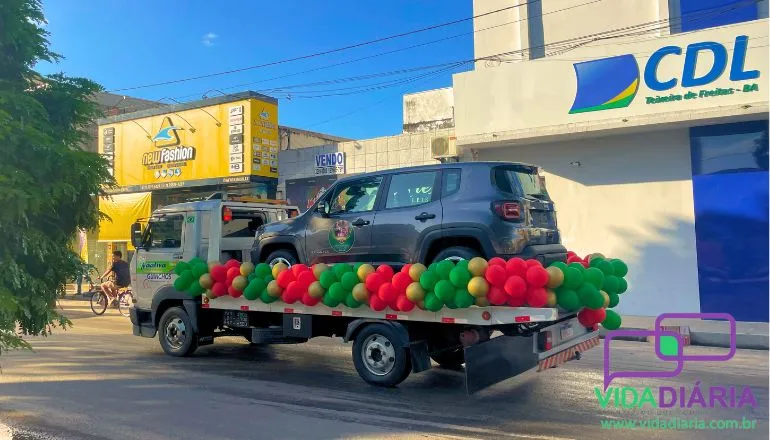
(357, 266)
(337, 292)
(197, 260)
(568, 299)
(594, 276)
(614, 299)
(266, 298)
(451, 303)
(445, 290)
(250, 293)
(183, 281)
(268, 278)
(595, 261)
(590, 296)
(612, 321)
(580, 268)
(433, 267)
(463, 299)
(181, 267)
(252, 276)
(199, 269)
(327, 279)
(195, 289)
(351, 302)
(572, 278)
(606, 267)
(444, 268)
(341, 269)
(619, 267)
(329, 301)
(622, 285)
(263, 270)
(428, 280)
(463, 264)
(256, 286)
(460, 277)
(611, 284)
(560, 264)
(349, 280)
(432, 302)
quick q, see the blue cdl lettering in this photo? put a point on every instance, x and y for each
(739, 59)
(650, 70)
(691, 60)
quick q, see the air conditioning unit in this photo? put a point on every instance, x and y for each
(442, 147)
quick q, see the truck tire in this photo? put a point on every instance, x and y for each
(452, 359)
(456, 253)
(378, 360)
(176, 334)
(285, 256)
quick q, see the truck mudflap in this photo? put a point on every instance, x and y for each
(503, 357)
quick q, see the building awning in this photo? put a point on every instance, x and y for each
(122, 210)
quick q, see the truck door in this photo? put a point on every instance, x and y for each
(344, 232)
(162, 247)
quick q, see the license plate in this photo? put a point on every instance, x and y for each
(235, 318)
(566, 332)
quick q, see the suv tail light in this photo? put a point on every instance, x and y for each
(544, 340)
(507, 210)
(227, 214)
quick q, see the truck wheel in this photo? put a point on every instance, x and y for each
(452, 359)
(284, 256)
(456, 253)
(378, 360)
(176, 334)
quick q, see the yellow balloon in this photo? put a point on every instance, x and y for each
(206, 281)
(551, 302)
(606, 298)
(247, 268)
(278, 268)
(315, 290)
(210, 294)
(415, 293)
(482, 301)
(240, 282)
(421, 304)
(416, 271)
(478, 287)
(363, 271)
(273, 289)
(360, 293)
(318, 269)
(477, 266)
(555, 277)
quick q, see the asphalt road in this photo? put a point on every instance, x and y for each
(97, 381)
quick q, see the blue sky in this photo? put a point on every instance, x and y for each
(124, 43)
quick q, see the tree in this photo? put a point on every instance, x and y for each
(48, 183)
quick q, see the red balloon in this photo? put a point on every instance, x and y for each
(496, 296)
(219, 273)
(233, 272)
(404, 304)
(387, 293)
(292, 293)
(584, 317)
(515, 285)
(284, 278)
(516, 266)
(298, 269)
(401, 281)
(571, 254)
(386, 271)
(534, 262)
(574, 259)
(517, 300)
(537, 297)
(233, 263)
(598, 315)
(537, 276)
(496, 261)
(309, 300)
(305, 279)
(234, 293)
(406, 268)
(374, 281)
(585, 264)
(376, 303)
(496, 275)
(219, 288)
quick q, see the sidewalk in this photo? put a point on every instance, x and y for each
(751, 335)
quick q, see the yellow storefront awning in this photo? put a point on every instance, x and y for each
(122, 210)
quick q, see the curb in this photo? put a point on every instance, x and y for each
(709, 339)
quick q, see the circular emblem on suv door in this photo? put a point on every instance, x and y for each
(341, 236)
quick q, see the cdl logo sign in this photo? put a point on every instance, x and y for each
(610, 83)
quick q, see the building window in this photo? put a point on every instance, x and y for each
(703, 14)
(729, 148)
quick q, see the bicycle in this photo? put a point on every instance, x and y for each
(100, 300)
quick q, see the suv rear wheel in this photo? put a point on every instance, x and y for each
(456, 253)
(284, 256)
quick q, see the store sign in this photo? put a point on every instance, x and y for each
(330, 163)
(610, 83)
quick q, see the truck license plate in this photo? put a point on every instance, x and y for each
(234, 318)
(566, 332)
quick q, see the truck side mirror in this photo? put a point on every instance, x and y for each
(323, 208)
(136, 235)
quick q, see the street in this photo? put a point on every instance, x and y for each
(97, 381)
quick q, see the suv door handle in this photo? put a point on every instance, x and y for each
(360, 222)
(424, 216)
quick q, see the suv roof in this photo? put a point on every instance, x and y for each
(438, 166)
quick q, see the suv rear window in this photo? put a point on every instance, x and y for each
(244, 224)
(519, 180)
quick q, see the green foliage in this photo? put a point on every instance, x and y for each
(48, 183)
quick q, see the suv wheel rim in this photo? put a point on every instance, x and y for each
(176, 333)
(378, 354)
(454, 259)
(275, 261)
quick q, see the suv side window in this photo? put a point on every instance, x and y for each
(355, 196)
(165, 232)
(451, 182)
(410, 189)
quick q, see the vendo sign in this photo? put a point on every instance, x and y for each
(330, 163)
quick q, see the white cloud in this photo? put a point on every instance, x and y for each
(208, 39)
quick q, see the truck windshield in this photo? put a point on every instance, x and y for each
(520, 179)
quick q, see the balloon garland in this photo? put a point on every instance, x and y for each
(590, 286)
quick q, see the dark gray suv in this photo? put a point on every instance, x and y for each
(421, 214)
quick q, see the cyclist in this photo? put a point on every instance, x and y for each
(122, 275)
